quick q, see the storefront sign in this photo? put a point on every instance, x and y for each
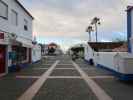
(1, 35)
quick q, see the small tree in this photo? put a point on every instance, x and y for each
(96, 22)
(89, 30)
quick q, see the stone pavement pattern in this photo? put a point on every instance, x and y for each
(63, 82)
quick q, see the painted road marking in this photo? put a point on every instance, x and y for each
(97, 90)
(46, 64)
(101, 77)
(21, 76)
(66, 68)
(64, 64)
(40, 68)
(92, 77)
(65, 77)
(31, 92)
(87, 68)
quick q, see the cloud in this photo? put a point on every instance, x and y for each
(69, 18)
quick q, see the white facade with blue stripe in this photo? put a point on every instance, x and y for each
(130, 28)
(119, 63)
(122, 63)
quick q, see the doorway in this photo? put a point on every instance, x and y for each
(2, 59)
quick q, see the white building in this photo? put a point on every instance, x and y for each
(93, 49)
(88, 52)
(108, 55)
(15, 35)
(120, 63)
(36, 53)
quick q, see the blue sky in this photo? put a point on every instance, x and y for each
(65, 21)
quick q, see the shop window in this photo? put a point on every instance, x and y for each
(25, 25)
(20, 53)
(4, 10)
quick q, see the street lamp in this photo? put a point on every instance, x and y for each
(89, 30)
(95, 22)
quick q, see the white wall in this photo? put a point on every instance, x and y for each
(5, 25)
(36, 53)
(107, 59)
(88, 53)
(124, 62)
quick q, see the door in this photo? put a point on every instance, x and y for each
(2, 59)
(30, 55)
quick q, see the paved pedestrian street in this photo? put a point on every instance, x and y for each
(59, 78)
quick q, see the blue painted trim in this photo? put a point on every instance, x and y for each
(129, 30)
(121, 76)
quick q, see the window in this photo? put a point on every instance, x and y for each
(25, 25)
(14, 18)
(20, 54)
(3, 10)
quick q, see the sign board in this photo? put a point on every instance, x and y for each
(1, 35)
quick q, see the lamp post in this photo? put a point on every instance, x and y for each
(89, 30)
(95, 22)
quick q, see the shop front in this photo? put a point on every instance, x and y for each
(20, 55)
(3, 53)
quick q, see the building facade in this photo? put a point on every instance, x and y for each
(15, 35)
(130, 28)
(36, 53)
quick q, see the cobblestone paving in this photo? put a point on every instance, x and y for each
(65, 72)
(92, 70)
(65, 89)
(97, 72)
(116, 89)
(64, 82)
(12, 88)
(31, 72)
(65, 66)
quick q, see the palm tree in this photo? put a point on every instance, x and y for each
(89, 30)
(95, 22)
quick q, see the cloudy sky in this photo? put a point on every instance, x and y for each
(65, 21)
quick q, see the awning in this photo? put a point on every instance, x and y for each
(24, 42)
(28, 45)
